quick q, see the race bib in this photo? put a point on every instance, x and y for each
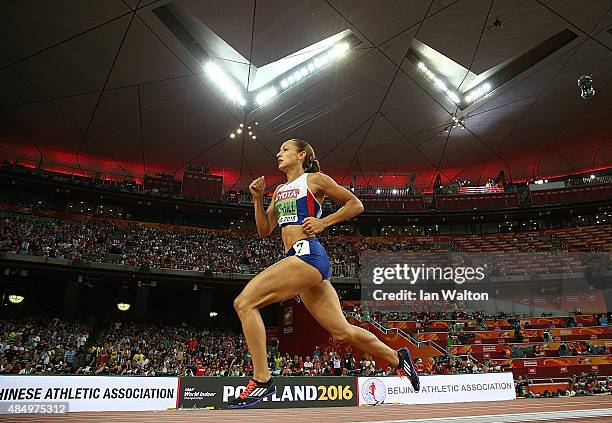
(302, 248)
(286, 206)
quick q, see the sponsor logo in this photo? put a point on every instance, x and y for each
(193, 394)
(299, 393)
(313, 391)
(290, 193)
(373, 391)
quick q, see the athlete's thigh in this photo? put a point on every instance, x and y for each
(284, 279)
(323, 303)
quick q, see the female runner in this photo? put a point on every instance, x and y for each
(305, 270)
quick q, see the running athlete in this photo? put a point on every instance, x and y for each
(305, 270)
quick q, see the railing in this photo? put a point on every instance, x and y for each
(468, 356)
(66, 172)
(523, 196)
(558, 379)
(342, 270)
(597, 180)
(385, 192)
(558, 244)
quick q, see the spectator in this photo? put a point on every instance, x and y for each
(337, 364)
(603, 320)
(518, 334)
(564, 350)
(418, 365)
(539, 351)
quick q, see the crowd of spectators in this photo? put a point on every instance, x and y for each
(138, 245)
(51, 346)
(42, 346)
(184, 248)
(38, 345)
(129, 348)
(579, 385)
(437, 312)
(188, 249)
(589, 384)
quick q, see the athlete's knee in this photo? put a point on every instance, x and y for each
(242, 304)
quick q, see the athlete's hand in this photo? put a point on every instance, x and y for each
(312, 225)
(257, 187)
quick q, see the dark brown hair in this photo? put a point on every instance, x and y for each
(310, 164)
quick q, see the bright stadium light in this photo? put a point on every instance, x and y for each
(123, 306)
(453, 96)
(439, 83)
(226, 85)
(478, 92)
(298, 70)
(340, 49)
(15, 299)
(266, 95)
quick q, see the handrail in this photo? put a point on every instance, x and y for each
(470, 319)
(470, 356)
(562, 356)
(400, 332)
(522, 330)
(558, 379)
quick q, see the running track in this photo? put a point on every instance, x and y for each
(581, 409)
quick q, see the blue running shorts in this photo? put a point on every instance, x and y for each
(310, 251)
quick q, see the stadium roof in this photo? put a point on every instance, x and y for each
(120, 86)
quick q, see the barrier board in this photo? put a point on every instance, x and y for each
(436, 389)
(88, 393)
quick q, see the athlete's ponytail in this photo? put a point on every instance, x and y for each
(310, 164)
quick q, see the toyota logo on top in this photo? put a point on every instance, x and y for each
(373, 391)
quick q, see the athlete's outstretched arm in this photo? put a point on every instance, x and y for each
(264, 219)
(351, 205)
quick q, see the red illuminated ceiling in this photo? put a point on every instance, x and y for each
(104, 86)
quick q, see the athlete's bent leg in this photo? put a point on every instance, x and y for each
(281, 281)
(322, 302)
